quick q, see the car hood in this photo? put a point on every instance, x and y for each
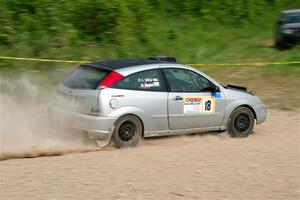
(291, 25)
(233, 94)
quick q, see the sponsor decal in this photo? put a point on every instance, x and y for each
(201, 104)
(149, 82)
(217, 95)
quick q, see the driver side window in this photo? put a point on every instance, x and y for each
(182, 80)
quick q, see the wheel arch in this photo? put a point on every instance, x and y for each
(145, 118)
(236, 104)
(131, 114)
(249, 107)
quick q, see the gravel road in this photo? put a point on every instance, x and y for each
(266, 165)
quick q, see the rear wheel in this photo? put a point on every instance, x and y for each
(241, 122)
(128, 131)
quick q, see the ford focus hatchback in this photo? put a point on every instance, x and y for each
(125, 100)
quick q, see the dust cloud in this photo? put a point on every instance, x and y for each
(24, 127)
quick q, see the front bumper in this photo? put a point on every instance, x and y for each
(291, 38)
(261, 113)
(97, 127)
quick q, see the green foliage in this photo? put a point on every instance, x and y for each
(194, 31)
(90, 29)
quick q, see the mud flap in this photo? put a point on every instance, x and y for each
(101, 141)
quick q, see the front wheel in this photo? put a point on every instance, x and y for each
(128, 131)
(241, 122)
(280, 43)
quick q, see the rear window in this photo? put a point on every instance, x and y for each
(85, 78)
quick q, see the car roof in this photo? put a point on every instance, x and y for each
(130, 62)
(291, 11)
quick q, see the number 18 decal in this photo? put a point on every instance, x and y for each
(208, 104)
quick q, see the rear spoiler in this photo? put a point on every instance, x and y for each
(103, 67)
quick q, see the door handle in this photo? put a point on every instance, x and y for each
(178, 98)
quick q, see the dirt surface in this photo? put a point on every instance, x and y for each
(266, 165)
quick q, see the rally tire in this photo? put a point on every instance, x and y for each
(241, 122)
(128, 131)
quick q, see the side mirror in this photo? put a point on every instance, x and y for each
(215, 88)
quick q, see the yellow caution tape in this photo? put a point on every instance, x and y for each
(195, 65)
(245, 64)
(43, 60)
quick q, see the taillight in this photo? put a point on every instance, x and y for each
(110, 79)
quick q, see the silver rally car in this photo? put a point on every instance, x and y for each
(125, 100)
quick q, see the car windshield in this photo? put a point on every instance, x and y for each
(85, 78)
(293, 18)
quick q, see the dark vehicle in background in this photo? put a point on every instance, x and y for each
(288, 29)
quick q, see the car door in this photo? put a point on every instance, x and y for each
(191, 104)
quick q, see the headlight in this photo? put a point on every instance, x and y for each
(288, 31)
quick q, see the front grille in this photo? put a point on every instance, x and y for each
(296, 32)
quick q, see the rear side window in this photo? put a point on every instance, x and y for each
(85, 78)
(148, 80)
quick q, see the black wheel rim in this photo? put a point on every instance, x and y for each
(127, 131)
(242, 122)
